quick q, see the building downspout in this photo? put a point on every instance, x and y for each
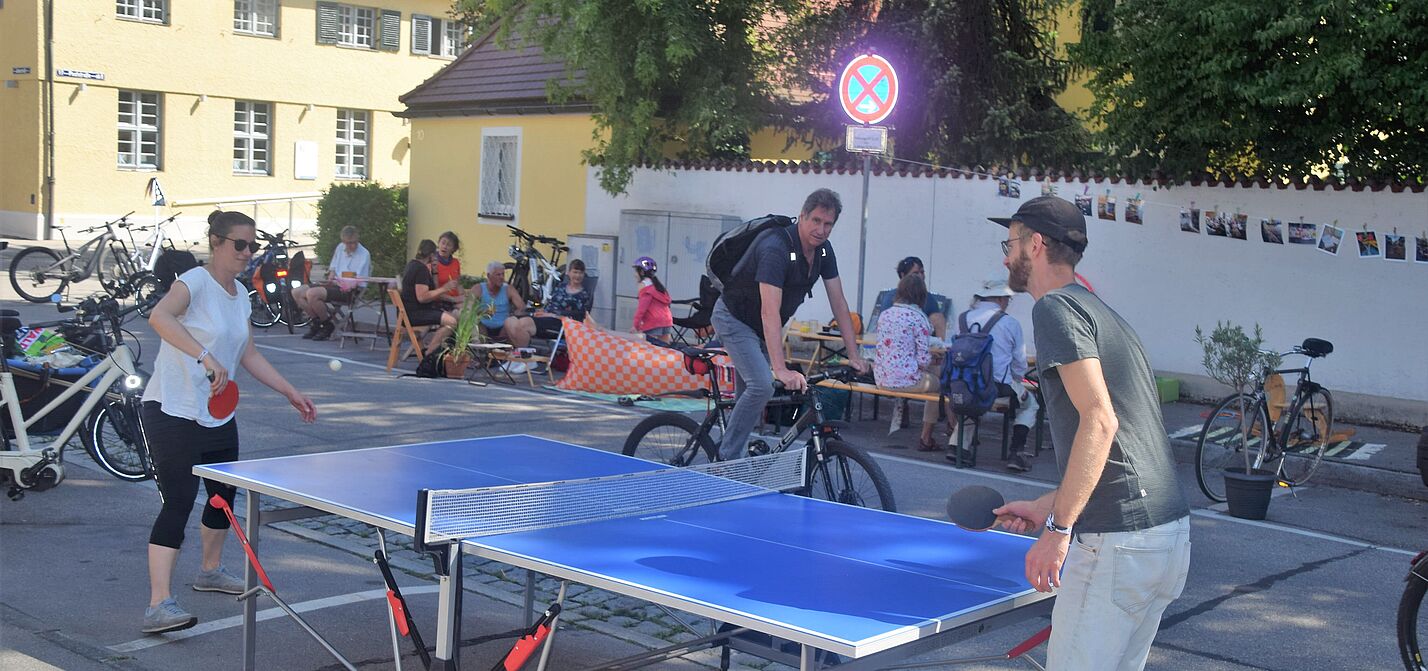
(49, 98)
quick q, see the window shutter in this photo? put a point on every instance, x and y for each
(421, 34)
(326, 23)
(391, 31)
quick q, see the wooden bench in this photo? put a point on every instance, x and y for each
(1002, 405)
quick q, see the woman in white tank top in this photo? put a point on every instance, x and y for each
(203, 321)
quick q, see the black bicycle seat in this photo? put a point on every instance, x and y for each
(702, 353)
(1316, 348)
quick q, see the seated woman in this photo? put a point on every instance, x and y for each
(421, 296)
(448, 268)
(930, 307)
(903, 361)
(570, 299)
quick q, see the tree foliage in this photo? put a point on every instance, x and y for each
(978, 76)
(1260, 89)
(659, 73)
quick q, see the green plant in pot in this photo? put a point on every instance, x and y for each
(1235, 358)
(467, 331)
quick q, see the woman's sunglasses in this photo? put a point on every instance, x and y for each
(239, 245)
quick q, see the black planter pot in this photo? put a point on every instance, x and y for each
(1249, 493)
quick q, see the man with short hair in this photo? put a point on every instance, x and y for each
(767, 285)
(1119, 498)
(1008, 364)
(349, 259)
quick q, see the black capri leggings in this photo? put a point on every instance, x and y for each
(176, 445)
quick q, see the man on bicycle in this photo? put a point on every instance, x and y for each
(768, 284)
(1118, 498)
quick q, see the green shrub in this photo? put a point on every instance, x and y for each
(380, 215)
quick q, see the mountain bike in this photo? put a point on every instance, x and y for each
(837, 471)
(38, 273)
(1290, 432)
(147, 253)
(531, 273)
(108, 417)
(270, 279)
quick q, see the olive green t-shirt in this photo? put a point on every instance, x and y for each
(1138, 488)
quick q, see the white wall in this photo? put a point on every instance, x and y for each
(1162, 280)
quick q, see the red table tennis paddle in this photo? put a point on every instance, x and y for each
(971, 507)
(222, 404)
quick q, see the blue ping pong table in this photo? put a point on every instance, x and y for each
(815, 578)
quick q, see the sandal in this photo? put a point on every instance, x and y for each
(927, 446)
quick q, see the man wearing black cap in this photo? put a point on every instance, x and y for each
(1117, 521)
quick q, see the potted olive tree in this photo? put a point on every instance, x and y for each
(1234, 358)
(467, 331)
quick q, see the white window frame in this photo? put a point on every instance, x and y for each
(143, 11)
(251, 138)
(490, 170)
(255, 17)
(350, 146)
(452, 39)
(351, 28)
(133, 127)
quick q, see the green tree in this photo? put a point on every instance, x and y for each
(380, 215)
(1260, 89)
(657, 72)
(978, 77)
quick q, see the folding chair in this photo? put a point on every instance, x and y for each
(404, 330)
(697, 323)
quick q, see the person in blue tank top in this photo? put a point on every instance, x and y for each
(505, 301)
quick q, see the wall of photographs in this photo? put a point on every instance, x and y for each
(1167, 259)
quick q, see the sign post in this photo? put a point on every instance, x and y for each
(867, 90)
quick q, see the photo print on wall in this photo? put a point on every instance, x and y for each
(1106, 207)
(1190, 220)
(1008, 188)
(1368, 244)
(1395, 247)
(1239, 225)
(1329, 239)
(1271, 231)
(1301, 233)
(1215, 224)
(1135, 210)
(1083, 201)
(1420, 249)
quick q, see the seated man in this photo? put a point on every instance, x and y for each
(913, 266)
(1008, 365)
(349, 259)
(505, 304)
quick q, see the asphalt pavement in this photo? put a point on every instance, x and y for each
(1314, 586)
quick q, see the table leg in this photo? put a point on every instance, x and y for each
(530, 598)
(254, 521)
(448, 613)
(808, 660)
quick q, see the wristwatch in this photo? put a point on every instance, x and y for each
(1053, 527)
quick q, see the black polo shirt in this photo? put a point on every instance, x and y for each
(776, 259)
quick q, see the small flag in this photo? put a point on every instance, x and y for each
(155, 193)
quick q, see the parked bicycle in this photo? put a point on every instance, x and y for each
(38, 273)
(1291, 433)
(837, 471)
(107, 420)
(532, 274)
(271, 276)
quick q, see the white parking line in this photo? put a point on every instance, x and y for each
(266, 614)
(1198, 512)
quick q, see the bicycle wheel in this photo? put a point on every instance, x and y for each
(1305, 436)
(668, 438)
(147, 292)
(116, 271)
(849, 475)
(1412, 622)
(261, 314)
(1236, 427)
(517, 274)
(113, 438)
(34, 275)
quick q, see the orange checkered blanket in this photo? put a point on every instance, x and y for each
(608, 364)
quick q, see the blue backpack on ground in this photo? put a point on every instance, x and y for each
(967, 382)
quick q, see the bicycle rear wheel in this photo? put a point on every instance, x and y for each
(849, 475)
(114, 439)
(669, 438)
(1305, 436)
(35, 276)
(261, 314)
(1236, 426)
(1412, 621)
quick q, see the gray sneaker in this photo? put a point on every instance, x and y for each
(218, 580)
(167, 616)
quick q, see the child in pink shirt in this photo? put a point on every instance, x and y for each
(652, 315)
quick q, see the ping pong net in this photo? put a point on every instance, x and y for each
(451, 515)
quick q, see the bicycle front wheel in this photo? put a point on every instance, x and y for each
(1235, 430)
(1412, 621)
(115, 441)
(1305, 436)
(849, 475)
(36, 274)
(670, 438)
(261, 314)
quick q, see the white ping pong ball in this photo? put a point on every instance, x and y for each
(334, 364)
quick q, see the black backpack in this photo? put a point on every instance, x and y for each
(431, 363)
(172, 263)
(728, 249)
(967, 382)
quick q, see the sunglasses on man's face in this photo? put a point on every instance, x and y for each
(239, 244)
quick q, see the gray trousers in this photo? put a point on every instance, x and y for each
(754, 383)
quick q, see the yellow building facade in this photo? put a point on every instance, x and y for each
(221, 100)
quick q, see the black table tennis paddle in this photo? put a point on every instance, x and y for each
(971, 507)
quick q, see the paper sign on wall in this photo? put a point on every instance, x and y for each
(304, 159)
